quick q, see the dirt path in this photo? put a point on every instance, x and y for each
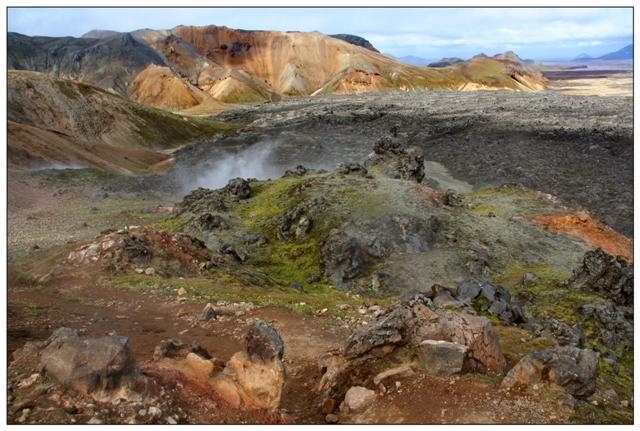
(83, 302)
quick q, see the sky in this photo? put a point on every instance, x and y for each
(430, 33)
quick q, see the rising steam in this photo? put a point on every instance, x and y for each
(253, 162)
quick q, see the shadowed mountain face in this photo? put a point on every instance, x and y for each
(207, 66)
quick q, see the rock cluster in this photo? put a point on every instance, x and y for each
(446, 342)
(397, 161)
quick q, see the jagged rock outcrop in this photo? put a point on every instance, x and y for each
(135, 247)
(569, 367)
(298, 221)
(239, 187)
(397, 161)
(609, 275)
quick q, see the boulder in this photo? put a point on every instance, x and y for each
(202, 200)
(442, 358)
(101, 367)
(263, 342)
(604, 273)
(239, 187)
(299, 171)
(356, 399)
(468, 291)
(572, 368)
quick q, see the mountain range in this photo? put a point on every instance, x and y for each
(199, 70)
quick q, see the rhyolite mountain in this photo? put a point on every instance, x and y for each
(198, 68)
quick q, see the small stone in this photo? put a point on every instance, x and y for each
(331, 418)
(344, 307)
(142, 412)
(357, 398)
(182, 291)
(154, 412)
(150, 271)
(398, 384)
(171, 421)
(95, 421)
(595, 402)
(139, 271)
(624, 403)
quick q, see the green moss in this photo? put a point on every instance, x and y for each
(549, 297)
(73, 177)
(172, 224)
(28, 308)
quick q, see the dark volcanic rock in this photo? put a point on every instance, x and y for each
(344, 258)
(614, 325)
(397, 161)
(239, 187)
(175, 348)
(355, 40)
(264, 342)
(297, 222)
(607, 274)
(564, 334)
(391, 328)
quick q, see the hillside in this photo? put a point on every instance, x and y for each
(238, 66)
(52, 121)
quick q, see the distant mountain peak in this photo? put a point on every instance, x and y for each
(625, 53)
(355, 40)
(99, 34)
(583, 56)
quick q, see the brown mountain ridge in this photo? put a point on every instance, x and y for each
(199, 69)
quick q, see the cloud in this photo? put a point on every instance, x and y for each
(417, 31)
